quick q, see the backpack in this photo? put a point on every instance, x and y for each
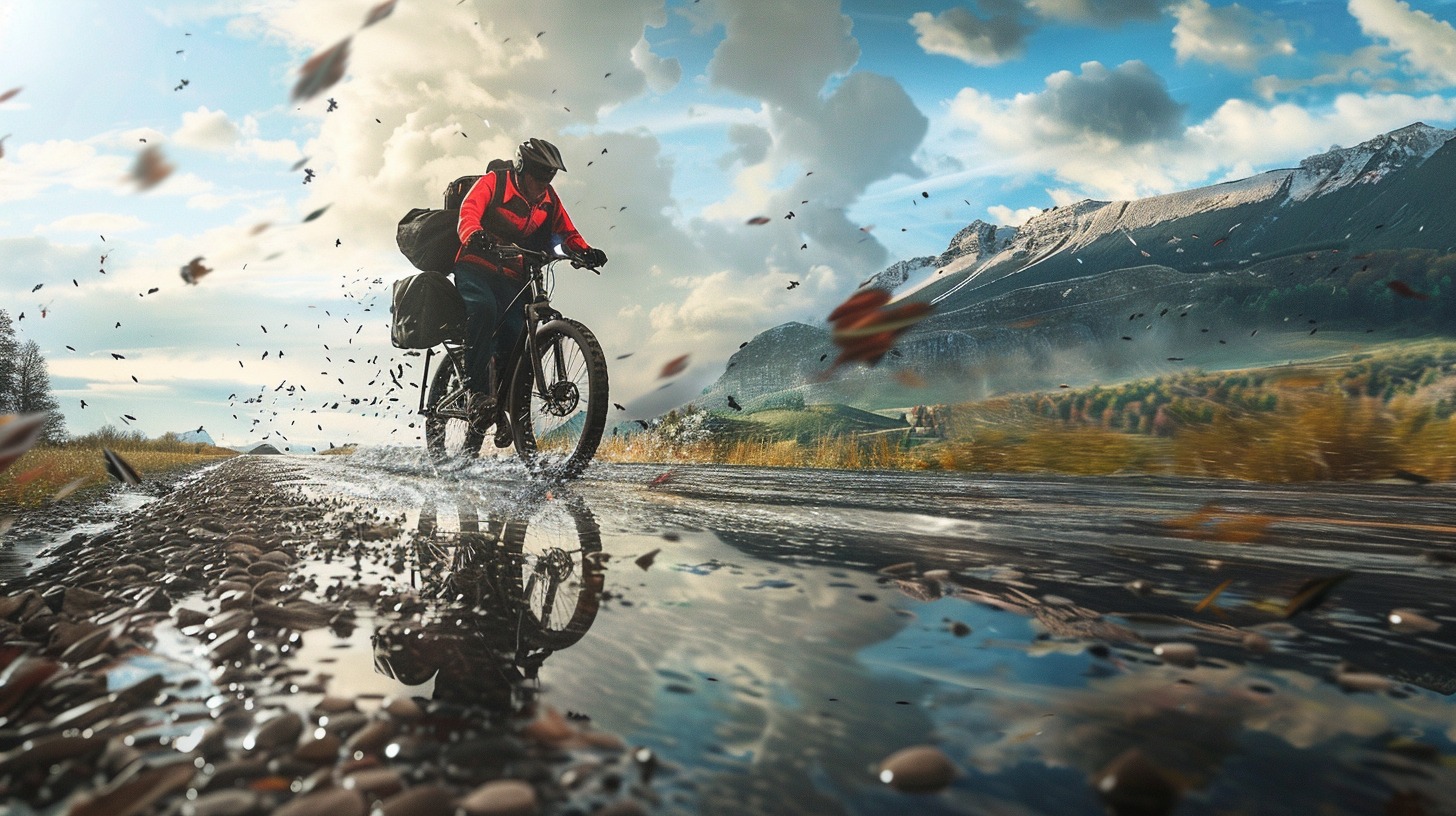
(428, 238)
(427, 310)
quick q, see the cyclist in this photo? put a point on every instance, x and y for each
(512, 206)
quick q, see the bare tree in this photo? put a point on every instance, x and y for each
(32, 391)
(9, 352)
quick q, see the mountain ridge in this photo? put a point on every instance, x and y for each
(1230, 254)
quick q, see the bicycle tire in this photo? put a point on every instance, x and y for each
(449, 434)
(571, 445)
(558, 614)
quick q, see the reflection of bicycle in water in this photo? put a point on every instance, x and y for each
(515, 589)
(554, 401)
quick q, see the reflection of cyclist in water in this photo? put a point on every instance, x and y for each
(518, 590)
(510, 206)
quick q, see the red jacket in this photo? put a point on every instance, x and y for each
(513, 220)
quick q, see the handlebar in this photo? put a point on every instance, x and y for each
(541, 258)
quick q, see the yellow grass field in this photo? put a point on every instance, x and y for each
(44, 471)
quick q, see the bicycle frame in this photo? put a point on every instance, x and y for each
(538, 311)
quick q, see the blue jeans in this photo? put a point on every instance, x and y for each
(494, 319)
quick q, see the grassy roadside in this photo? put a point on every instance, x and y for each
(44, 471)
(1359, 417)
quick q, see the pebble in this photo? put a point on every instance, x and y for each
(401, 707)
(1362, 681)
(330, 802)
(424, 800)
(134, 795)
(334, 705)
(374, 783)
(278, 731)
(505, 797)
(1257, 643)
(320, 749)
(1131, 785)
(224, 803)
(918, 769)
(1410, 622)
(371, 738)
(1177, 654)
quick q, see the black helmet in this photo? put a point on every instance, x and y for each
(539, 158)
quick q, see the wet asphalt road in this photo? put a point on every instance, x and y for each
(766, 653)
(771, 636)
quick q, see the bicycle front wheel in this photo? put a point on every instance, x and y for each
(557, 422)
(449, 434)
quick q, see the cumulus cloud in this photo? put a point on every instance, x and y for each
(1104, 13)
(751, 59)
(206, 130)
(1369, 67)
(750, 144)
(993, 36)
(1232, 35)
(661, 74)
(1428, 45)
(1236, 140)
(1126, 105)
(1008, 217)
(95, 222)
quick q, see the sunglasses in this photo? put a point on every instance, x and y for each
(540, 173)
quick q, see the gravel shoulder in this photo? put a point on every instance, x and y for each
(149, 669)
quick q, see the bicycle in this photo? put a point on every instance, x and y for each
(554, 401)
(540, 574)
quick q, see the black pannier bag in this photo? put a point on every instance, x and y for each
(430, 238)
(427, 311)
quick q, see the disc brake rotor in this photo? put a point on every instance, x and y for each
(562, 398)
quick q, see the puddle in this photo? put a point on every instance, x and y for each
(756, 649)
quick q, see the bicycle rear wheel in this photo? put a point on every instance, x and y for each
(449, 434)
(557, 424)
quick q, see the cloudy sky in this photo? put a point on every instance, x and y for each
(679, 121)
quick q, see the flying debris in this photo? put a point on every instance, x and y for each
(194, 270)
(1313, 593)
(307, 175)
(793, 284)
(733, 403)
(298, 165)
(1403, 289)
(865, 330)
(36, 288)
(18, 434)
(150, 168)
(316, 213)
(321, 71)
(10, 93)
(2, 144)
(119, 469)
(645, 560)
(379, 12)
(674, 367)
(758, 220)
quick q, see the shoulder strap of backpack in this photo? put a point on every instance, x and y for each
(500, 188)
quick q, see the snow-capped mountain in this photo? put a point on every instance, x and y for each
(199, 435)
(1325, 201)
(1115, 286)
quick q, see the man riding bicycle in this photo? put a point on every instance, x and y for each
(511, 206)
